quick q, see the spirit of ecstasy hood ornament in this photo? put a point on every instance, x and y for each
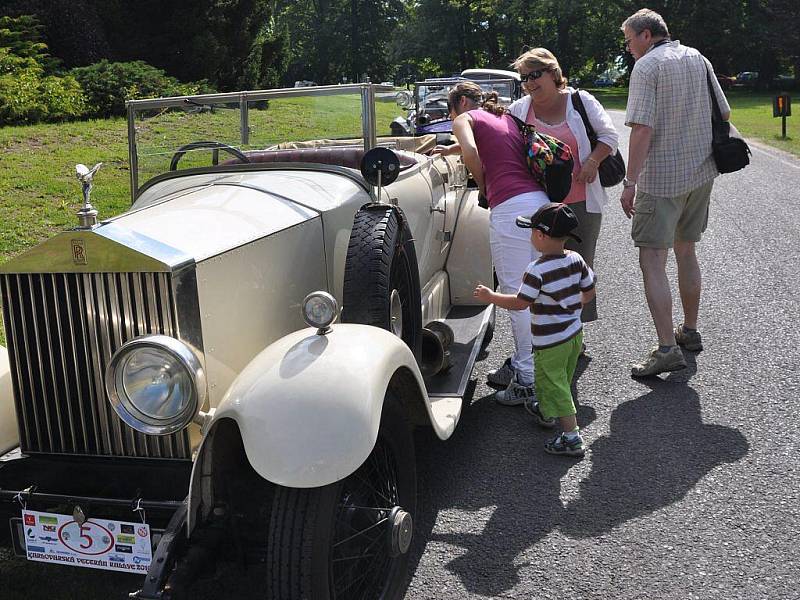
(88, 214)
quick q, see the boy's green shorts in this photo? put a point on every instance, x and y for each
(554, 369)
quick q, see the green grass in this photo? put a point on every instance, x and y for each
(752, 115)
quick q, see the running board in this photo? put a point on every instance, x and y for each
(469, 325)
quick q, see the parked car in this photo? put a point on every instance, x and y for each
(783, 82)
(240, 358)
(747, 79)
(304, 83)
(427, 108)
(726, 82)
(603, 81)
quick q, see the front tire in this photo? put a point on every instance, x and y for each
(349, 540)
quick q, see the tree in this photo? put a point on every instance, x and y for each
(335, 39)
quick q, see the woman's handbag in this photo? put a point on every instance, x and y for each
(549, 161)
(730, 153)
(612, 169)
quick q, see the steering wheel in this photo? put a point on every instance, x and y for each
(173, 165)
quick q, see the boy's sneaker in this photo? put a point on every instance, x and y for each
(532, 406)
(503, 376)
(691, 340)
(660, 362)
(561, 444)
(515, 394)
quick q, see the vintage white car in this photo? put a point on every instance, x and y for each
(232, 368)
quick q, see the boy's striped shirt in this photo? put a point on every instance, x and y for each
(553, 283)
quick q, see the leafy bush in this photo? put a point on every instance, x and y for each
(108, 85)
(27, 95)
(30, 88)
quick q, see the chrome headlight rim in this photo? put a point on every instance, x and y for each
(129, 412)
(327, 300)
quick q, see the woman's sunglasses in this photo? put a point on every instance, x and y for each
(531, 76)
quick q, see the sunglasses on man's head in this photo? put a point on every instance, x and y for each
(531, 76)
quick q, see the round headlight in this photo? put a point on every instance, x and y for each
(156, 384)
(319, 310)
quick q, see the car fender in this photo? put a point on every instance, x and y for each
(309, 406)
(9, 434)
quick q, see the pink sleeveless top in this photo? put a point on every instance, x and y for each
(502, 152)
(577, 192)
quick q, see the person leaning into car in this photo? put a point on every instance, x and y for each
(547, 105)
(494, 152)
(671, 171)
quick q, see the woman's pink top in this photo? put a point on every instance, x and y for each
(502, 152)
(577, 193)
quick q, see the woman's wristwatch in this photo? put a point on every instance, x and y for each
(627, 183)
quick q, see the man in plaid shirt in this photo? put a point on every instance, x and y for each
(670, 175)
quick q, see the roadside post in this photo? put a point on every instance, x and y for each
(782, 107)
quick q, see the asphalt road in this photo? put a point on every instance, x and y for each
(690, 487)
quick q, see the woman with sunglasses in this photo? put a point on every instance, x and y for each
(493, 150)
(548, 106)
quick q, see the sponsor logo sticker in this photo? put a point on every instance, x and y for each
(125, 549)
(30, 520)
(51, 528)
(126, 529)
(47, 520)
(126, 539)
(35, 548)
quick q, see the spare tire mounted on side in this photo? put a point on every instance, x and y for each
(381, 277)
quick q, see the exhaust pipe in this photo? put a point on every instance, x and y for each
(437, 337)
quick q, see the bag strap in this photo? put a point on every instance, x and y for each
(716, 114)
(577, 104)
(720, 130)
(524, 128)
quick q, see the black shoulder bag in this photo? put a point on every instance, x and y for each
(612, 169)
(730, 153)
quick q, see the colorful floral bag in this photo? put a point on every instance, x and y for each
(549, 161)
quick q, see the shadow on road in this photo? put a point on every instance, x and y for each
(657, 450)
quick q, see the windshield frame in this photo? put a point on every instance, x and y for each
(133, 107)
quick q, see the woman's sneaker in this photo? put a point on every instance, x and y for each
(503, 376)
(532, 406)
(515, 394)
(561, 444)
(691, 340)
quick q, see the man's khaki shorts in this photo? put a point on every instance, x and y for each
(659, 222)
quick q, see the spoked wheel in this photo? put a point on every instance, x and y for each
(349, 540)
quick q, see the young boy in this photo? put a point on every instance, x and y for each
(554, 287)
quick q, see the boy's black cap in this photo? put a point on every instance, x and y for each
(554, 219)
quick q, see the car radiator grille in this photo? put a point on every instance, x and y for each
(62, 330)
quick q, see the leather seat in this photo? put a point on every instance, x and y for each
(331, 155)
